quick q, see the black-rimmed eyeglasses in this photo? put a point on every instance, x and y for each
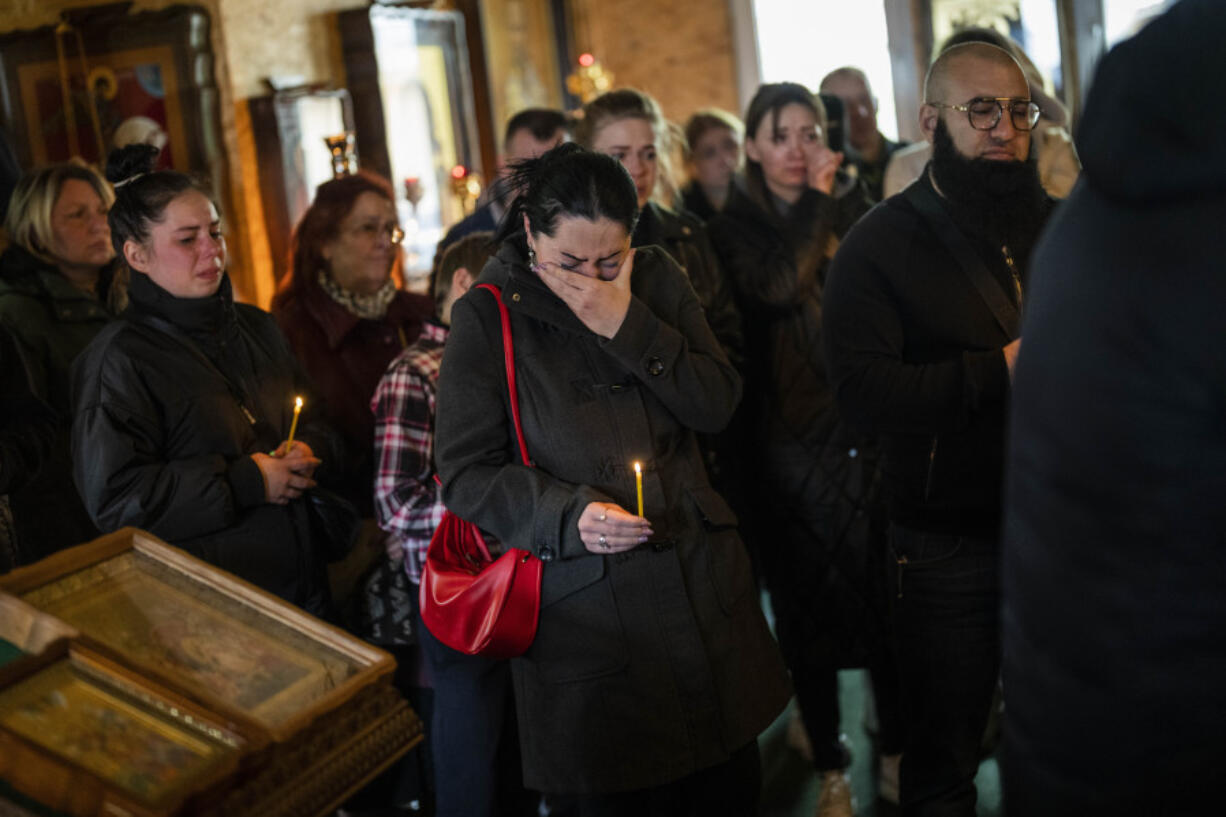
(984, 113)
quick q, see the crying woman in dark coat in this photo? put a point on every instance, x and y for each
(182, 407)
(652, 672)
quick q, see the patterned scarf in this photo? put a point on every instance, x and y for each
(372, 307)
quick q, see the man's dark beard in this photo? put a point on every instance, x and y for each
(994, 198)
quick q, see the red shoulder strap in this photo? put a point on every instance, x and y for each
(508, 354)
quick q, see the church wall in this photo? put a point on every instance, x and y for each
(680, 51)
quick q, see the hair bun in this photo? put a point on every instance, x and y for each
(129, 161)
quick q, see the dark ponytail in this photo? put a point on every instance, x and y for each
(568, 182)
(141, 193)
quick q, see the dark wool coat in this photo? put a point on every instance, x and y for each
(52, 322)
(345, 356)
(1114, 554)
(161, 442)
(647, 665)
(815, 478)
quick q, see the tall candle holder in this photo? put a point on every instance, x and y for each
(465, 186)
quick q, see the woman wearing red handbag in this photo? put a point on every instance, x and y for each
(652, 670)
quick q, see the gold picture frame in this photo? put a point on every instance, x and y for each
(28, 630)
(315, 705)
(85, 736)
(227, 643)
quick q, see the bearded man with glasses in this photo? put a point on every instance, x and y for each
(922, 312)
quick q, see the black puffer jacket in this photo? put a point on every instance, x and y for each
(160, 440)
(814, 482)
(777, 264)
(52, 322)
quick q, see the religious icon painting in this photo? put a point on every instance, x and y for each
(199, 629)
(82, 734)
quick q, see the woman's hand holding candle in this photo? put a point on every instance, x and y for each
(288, 474)
(607, 528)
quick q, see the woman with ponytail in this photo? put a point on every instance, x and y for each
(652, 671)
(183, 405)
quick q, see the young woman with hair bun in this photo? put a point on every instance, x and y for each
(183, 405)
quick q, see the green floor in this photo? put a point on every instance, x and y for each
(789, 785)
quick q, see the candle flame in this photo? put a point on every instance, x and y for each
(298, 402)
(638, 468)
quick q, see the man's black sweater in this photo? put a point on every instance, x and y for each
(914, 354)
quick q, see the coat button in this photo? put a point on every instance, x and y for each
(655, 366)
(515, 297)
(547, 554)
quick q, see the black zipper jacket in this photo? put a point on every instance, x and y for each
(164, 400)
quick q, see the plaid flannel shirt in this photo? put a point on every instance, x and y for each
(408, 501)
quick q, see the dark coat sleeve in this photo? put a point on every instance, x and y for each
(475, 450)
(27, 424)
(118, 435)
(776, 265)
(877, 385)
(693, 378)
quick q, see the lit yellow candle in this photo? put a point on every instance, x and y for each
(293, 426)
(638, 484)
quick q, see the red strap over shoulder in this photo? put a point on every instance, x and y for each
(508, 354)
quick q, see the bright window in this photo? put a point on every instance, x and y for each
(804, 41)
(1123, 18)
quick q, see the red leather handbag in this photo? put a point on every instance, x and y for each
(470, 601)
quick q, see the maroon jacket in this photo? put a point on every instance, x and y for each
(345, 356)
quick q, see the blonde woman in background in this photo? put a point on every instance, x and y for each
(58, 288)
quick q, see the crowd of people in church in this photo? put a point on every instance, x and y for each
(849, 459)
